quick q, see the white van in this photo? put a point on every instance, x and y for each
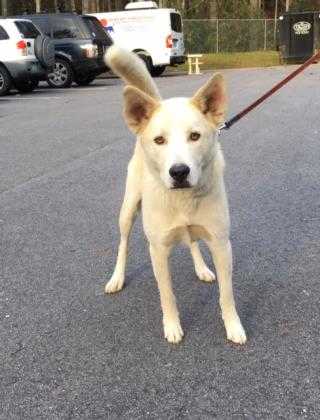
(154, 34)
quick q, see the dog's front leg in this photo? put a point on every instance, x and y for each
(222, 257)
(127, 217)
(128, 213)
(171, 322)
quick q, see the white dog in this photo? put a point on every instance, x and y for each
(176, 176)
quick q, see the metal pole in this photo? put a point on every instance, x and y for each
(217, 36)
(275, 21)
(265, 34)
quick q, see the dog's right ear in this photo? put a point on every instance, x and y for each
(138, 108)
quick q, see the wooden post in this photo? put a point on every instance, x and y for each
(197, 66)
(190, 65)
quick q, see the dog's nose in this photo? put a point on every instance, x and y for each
(179, 172)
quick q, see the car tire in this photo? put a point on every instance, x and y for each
(5, 81)
(61, 75)
(157, 71)
(27, 87)
(146, 59)
(84, 81)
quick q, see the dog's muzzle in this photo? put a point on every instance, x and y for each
(179, 173)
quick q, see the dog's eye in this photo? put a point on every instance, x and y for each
(194, 136)
(159, 140)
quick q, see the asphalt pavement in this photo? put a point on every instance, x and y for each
(68, 351)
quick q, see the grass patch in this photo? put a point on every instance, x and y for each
(237, 60)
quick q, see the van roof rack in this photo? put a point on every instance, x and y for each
(140, 5)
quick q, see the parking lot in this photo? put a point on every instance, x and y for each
(69, 351)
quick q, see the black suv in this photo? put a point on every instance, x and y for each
(80, 43)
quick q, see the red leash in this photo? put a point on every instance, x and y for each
(270, 92)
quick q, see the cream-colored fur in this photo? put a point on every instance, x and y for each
(165, 138)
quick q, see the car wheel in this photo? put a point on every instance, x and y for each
(157, 71)
(61, 75)
(146, 59)
(27, 86)
(5, 81)
(84, 81)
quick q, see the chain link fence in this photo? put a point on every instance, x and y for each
(228, 35)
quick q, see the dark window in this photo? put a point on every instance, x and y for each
(66, 27)
(27, 29)
(42, 23)
(96, 30)
(3, 34)
(176, 24)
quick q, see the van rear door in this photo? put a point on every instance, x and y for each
(177, 49)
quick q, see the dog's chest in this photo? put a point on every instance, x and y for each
(174, 219)
(185, 234)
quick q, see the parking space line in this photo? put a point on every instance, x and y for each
(60, 93)
(28, 98)
(79, 91)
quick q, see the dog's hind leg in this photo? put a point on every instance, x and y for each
(171, 322)
(128, 213)
(201, 268)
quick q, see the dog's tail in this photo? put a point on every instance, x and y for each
(131, 69)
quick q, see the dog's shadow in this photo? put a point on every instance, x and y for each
(201, 305)
(198, 302)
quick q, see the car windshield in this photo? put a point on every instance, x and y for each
(96, 29)
(27, 29)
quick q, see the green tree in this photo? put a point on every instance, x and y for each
(304, 5)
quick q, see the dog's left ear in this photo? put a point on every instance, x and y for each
(211, 99)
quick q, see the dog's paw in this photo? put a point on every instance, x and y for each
(235, 332)
(114, 285)
(173, 331)
(205, 274)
